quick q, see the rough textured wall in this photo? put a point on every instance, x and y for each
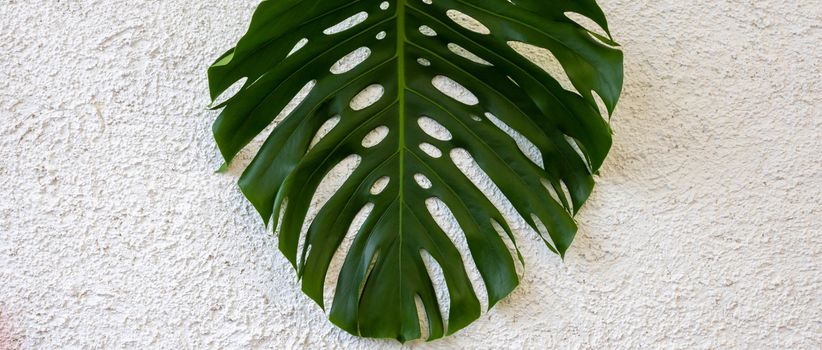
(115, 232)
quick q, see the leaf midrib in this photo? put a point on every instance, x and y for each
(401, 38)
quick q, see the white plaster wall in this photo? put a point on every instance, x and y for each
(115, 232)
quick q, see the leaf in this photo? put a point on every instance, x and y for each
(410, 45)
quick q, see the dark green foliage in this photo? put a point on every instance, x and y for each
(384, 270)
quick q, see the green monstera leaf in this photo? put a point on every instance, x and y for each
(409, 45)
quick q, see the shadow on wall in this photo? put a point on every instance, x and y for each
(631, 165)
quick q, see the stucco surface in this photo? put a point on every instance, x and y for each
(115, 232)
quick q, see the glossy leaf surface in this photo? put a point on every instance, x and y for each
(410, 45)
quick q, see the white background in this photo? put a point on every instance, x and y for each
(704, 231)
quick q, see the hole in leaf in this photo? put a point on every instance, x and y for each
(324, 130)
(384, 5)
(586, 23)
(330, 184)
(367, 97)
(573, 142)
(422, 317)
(300, 44)
(434, 129)
(512, 248)
(296, 101)
(368, 272)
(375, 137)
(551, 190)
(454, 90)
(304, 256)
(431, 150)
(423, 62)
(460, 51)
(546, 60)
(280, 214)
(567, 194)
(603, 109)
(543, 231)
(337, 260)
(468, 22)
(380, 185)
(246, 155)
(230, 92)
(381, 35)
(351, 60)
(438, 282)
(528, 148)
(423, 181)
(347, 23)
(471, 169)
(427, 31)
(448, 223)
(601, 41)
